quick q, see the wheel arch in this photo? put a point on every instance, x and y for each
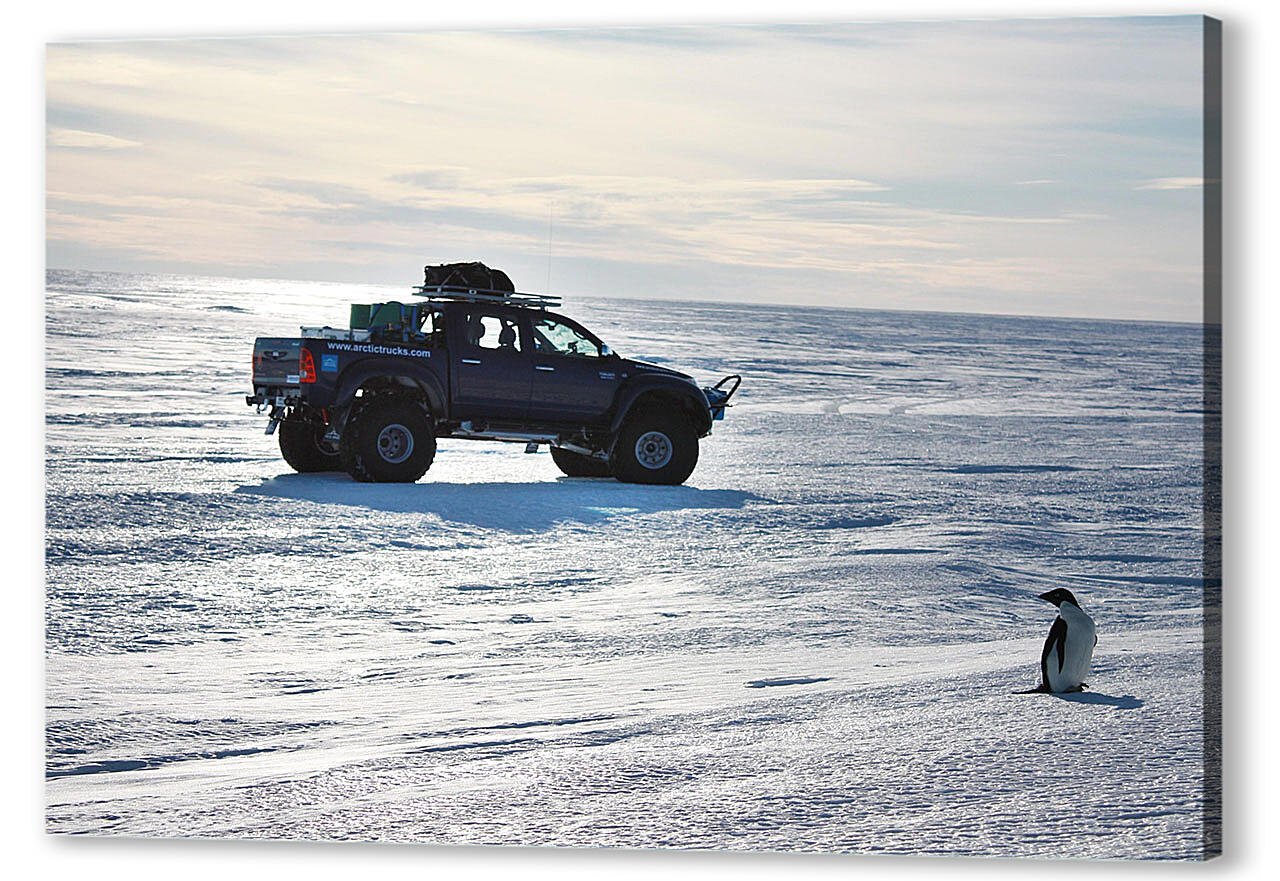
(423, 381)
(665, 393)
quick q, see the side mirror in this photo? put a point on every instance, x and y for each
(605, 351)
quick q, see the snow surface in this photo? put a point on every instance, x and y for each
(810, 646)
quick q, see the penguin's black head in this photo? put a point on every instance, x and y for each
(1060, 595)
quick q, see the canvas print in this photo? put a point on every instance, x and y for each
(792, 438)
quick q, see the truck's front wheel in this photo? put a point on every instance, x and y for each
(655, 446)
(303, 446)
(389, 441)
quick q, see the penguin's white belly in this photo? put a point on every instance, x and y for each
(1077, 654)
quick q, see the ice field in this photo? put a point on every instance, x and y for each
(811, 646)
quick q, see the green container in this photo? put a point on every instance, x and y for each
(387, 315)
(360, 313)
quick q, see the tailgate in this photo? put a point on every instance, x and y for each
(275, 361)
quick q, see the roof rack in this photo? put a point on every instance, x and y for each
(483, 295)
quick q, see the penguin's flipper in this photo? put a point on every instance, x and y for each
(1057, 639)
(1057, 635)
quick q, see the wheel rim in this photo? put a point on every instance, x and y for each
(395, 443)
(653, 450)
(325, 448)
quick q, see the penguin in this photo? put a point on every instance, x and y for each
(1068, 651)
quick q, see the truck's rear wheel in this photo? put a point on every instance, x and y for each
(303, 446)
(655, 446)
(390, 441)
(577, 465)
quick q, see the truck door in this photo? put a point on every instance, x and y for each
(572, 381)
(489, 360)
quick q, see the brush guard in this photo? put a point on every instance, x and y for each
(718, 395)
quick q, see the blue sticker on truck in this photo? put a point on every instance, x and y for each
(329, 363)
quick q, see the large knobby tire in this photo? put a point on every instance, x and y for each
(391, 441)
(655, 446)
(303, 446)
(577, 465)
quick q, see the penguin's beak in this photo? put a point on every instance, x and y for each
(1045, 597)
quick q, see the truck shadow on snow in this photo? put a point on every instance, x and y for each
(510, 507)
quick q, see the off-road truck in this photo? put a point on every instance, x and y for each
(482, 363)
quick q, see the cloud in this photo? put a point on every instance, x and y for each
(69, 138)
(431, 178)
(1171, 183)
(1035, 183)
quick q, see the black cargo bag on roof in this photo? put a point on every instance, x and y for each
(474, 276)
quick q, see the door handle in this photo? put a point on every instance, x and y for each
(544, 367)
(470, 360)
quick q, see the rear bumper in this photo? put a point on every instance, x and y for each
(274, 396)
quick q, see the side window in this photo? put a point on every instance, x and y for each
(552, 337)
(492, 332)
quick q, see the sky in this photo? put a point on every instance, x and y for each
(1042, 167)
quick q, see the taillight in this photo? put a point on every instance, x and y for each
(306, 366)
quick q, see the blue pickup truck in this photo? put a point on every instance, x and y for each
(478, 363)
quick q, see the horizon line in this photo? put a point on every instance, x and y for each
(842, 307)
